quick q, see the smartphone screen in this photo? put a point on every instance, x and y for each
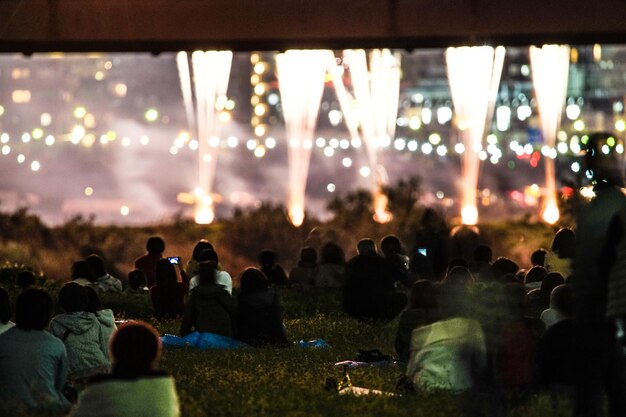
(422, 251)
(174, 260)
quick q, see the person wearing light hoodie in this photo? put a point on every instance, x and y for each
(105, 317)
(134, 388)
(210, 308)
(81, 333)
(103, 281)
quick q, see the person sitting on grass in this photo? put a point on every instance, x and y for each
(103, 280)
(560, 306)
(268, 261)
(259, 317)
(135, 388)
(105, 317)
(168, 295)
(304, 274)
(449, 354)
(222, 277)
(25, 279)
(210, 308)
(80, 331)
(33, 363)
(82, 273)
(155, 246)
(136, 282)
(420, 311)
(193, 265)
(5, 311)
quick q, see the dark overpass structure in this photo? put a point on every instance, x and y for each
(30, 26)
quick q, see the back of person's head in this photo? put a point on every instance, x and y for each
(201, 246)
(93, 300)
(165, 273)
(155, 245)
(308, 257)
(462, 262)
(515, 299)
(538, 257)
(483, 254)
(208, 255)
(535, 274)
(82, 269)
(366, 246)
(5, 306)
(551, 281)
(252, 280)
(564, 243)
(73, 298)
(206, 273)
(458, 276)
(25, 279)
(97, 265)
(135, 348)
(603, 167)
(422, 294)
(33, 309)
(502, 266)
(561, 299)
(332, 254)
(136, 279)
(390, 245)
(267, 258)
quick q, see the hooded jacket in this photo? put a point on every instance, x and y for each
(210, 308)
(85, 341)
(146, 396)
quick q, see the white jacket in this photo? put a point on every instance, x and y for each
(153, 396)
(447, 354)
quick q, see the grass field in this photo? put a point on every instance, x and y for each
(290, 381)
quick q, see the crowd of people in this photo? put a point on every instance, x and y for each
(466, 324)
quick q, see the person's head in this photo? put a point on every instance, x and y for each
(82, 270)
(93, 300)
(538, 257)
(97, 265)
(454, 262)
(208, 255)
(390, 245)
(135, 348)
(308, 257)
(564, 243)
(73, 298)
(33, 309)
(165, 273)
(451, 301)
(604, 167)
(136, 279)
(5, 306)
(267, 258)
(253, 280)
(561, 299)
(332, 254)
(459, 276)
(502, 266)
(201, 246)
(25, 279)
(206, 273)
(155, 245)
(483, 254)
(422, 295)
(535, 274)
(366, 246)
(551, 281)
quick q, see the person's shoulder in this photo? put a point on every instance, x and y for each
(106, 378)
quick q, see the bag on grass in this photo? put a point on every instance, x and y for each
(202, 341)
